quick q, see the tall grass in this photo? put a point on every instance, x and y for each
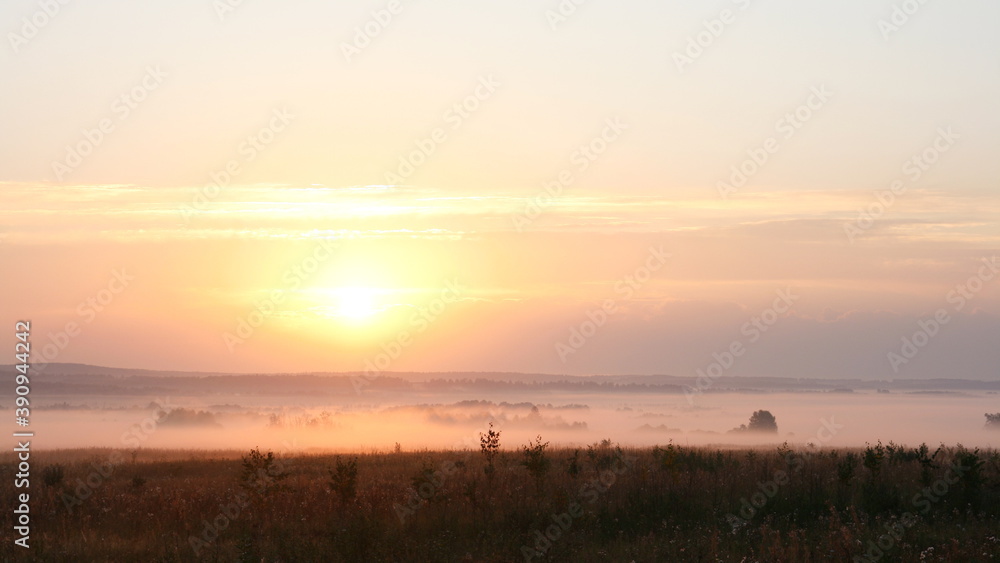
(667, 503)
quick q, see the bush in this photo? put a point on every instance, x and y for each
(52, 475)
(972, 478)
(873, 457)
(261, 472)
(344, 481)
(845, 469)
(535, 460)
(489, 445)
(603, 456)
(573, 466)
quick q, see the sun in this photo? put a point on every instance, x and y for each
(356, 303)
(350, 313)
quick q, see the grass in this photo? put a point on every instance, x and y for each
(605, 503)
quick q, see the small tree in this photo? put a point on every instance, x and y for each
(993, 421)
(344, 481)
(845, 468)
(489, 445)
(535, 460)
(261, 472)
(762, 421)
(873, 456)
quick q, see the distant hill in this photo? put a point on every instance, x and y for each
(83, 378)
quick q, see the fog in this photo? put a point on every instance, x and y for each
(453, 419)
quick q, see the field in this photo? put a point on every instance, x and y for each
(527, 503)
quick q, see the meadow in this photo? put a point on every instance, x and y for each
(506, 502)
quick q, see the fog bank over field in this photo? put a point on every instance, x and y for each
(82, 406)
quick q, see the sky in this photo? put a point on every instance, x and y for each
(745, 188)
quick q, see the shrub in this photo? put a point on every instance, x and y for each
(52, 475)
(784, 450)
(261, 472)
(972, 478)
(926, 461)
(602, 456)
(535, 460)
(666, 459)
(573, 467)
(845, 469)
(873, 457)
(344, 480)
(489, 445)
